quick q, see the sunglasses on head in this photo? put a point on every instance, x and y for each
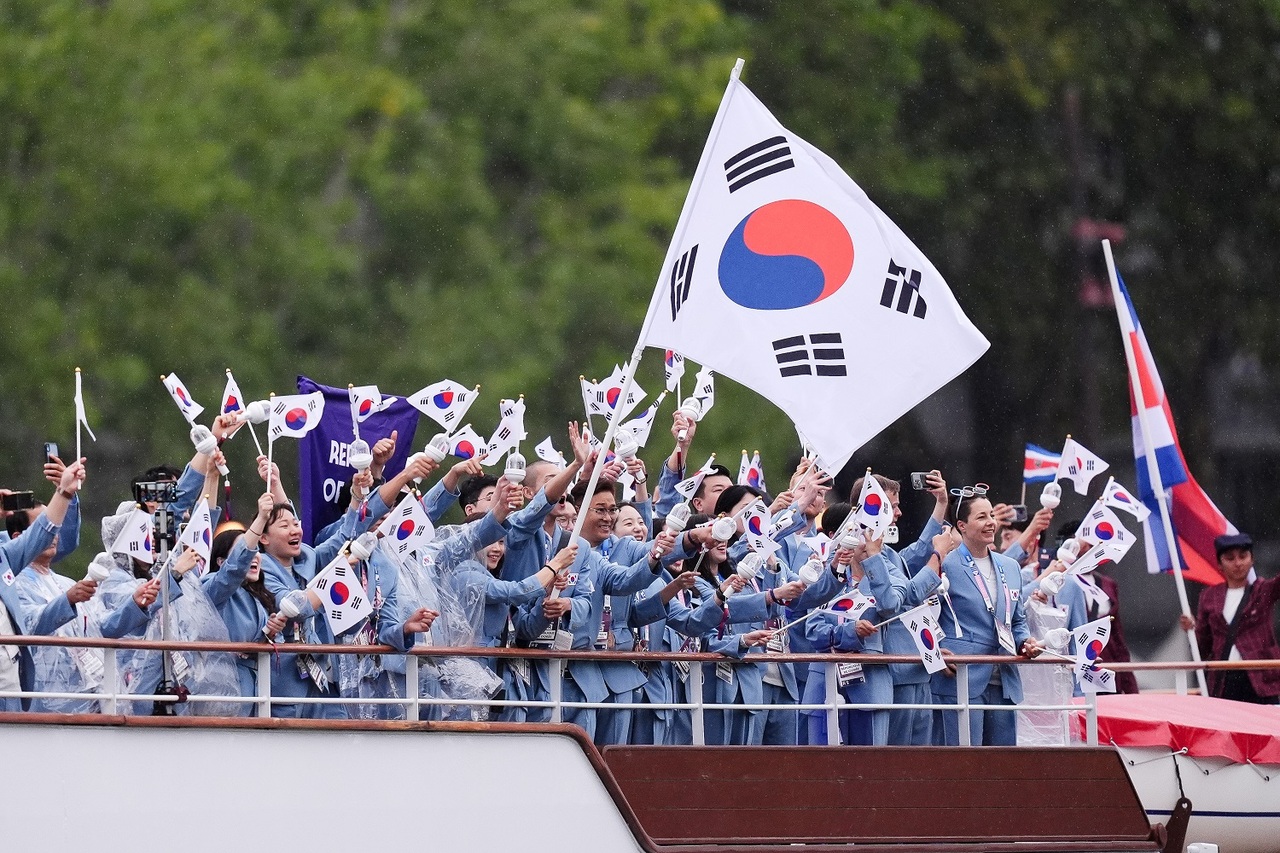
(977, 490)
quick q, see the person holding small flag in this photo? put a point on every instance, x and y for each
(986, 617)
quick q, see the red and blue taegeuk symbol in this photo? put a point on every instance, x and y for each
(232, 405)
(842, 604)
(338, 593)
(366, 406)
(611, 396)
(872, 505)
(181, 394)
(754, 525)
(926, 639)
(1093, 650)
(204, 534)
(405, 530)
(442, 400)
(785, 254)
(1105, 530)
(295, 418)
(671, 358)
(753, 477)
(464, 450)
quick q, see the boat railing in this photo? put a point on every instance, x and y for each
(111, 698)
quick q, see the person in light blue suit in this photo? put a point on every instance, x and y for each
(985, 590)
(532, 538)
(18, 671)
(250, 612)
(865, 570)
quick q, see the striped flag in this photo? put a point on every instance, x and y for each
(1039, 465)
(1196, 521)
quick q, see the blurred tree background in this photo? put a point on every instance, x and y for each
(396, 192)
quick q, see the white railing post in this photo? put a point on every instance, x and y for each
(962, 700)
(264, 684)
(829, 671)
(697, 720)
(555, 676)
(413, 708)
(110, 681)
(1091, 718)
(1180, 681)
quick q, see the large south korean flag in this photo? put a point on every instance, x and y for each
(784, 276)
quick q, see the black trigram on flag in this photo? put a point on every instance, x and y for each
(905, 284)
(322, 582)
(450, 416)
(820, 353)
(759, 161)
(681, 277)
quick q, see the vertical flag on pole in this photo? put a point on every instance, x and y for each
(198, 532)
(1079, 465)
(232, 400)
(134, 539)
(1039, 465)
(189, 407)
(1196, 520)
(81, 420)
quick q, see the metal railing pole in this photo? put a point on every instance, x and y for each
(555, 677)
(110, 681)
(264, 684)
(962, 699)
(1180, 681)
(832, 699)
(1091, 718)
(414, 705)
(697, 720)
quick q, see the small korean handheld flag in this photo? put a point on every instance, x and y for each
(851, 605)
(504, 439)
(295, 415)
(743, 467)
(611, 389)
(190, 408)
(446, 402)
(341, 594)
(547, 452)
(874, 511)
(642, 424)
(1095, 679)
(1116, 495)
(592, 398)
(466, 443)
(1097, 557)
(198, 533)
(1091, 638)
(513, 410)
(927, 633)
(81, 420)
(688, 487)
(134, 539)
(1079, 465)
(407, 527)
(755, 473)
(367, 401)
(232, 400)
(755, 529)
(1102, 526)
(704, 388)
(673, 366)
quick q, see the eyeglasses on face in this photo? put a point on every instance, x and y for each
(604, 511)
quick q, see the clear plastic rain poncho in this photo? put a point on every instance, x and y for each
(191, 617)
(431, 582)
(372, 676)
(65, 669)
(1043, 684)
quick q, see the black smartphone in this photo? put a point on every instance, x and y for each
(15, 501)
(50, 451)
(918, 481)
(1019, 513)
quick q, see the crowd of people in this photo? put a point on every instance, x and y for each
(641, 577)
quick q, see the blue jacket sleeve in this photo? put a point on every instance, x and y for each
(529, 518)
(222, 584)
(20, 552)
(52, 616)
(126, 619)
(188, 492)
(69, 533)
(668, 497)
(437, 501)
(888, 586)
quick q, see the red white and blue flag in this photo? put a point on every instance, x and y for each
(232, 400)
(341, 594)
(922, 623)
(445, 402)
(1039, 465)
(1117, 496)
(186, 404)
(1196, 521)
(407, 527)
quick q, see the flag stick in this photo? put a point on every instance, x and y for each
(805, 618)
(271, 444)
(893, 618)
(1023, 499)
(682, 225)
(253, 433)
(355, 421)
(1153, 467)
(79, 403)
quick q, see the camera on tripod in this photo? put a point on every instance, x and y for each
(164, 527)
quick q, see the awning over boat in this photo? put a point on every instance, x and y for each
(1207, 727)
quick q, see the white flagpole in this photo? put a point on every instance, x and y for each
(271, 444)
(1153, 467)
(79, 403)
(629, 373)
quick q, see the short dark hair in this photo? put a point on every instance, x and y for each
(962, 506)
(730, 496)
(157, 474)
(892, 487)
(716, 469)
(469, 491)
(578, 496)
(19, 521)
(834, 516)
(221, 547)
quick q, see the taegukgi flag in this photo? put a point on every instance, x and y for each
(784, 276)
(341, 594)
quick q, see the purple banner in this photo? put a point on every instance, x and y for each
(322, 453)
